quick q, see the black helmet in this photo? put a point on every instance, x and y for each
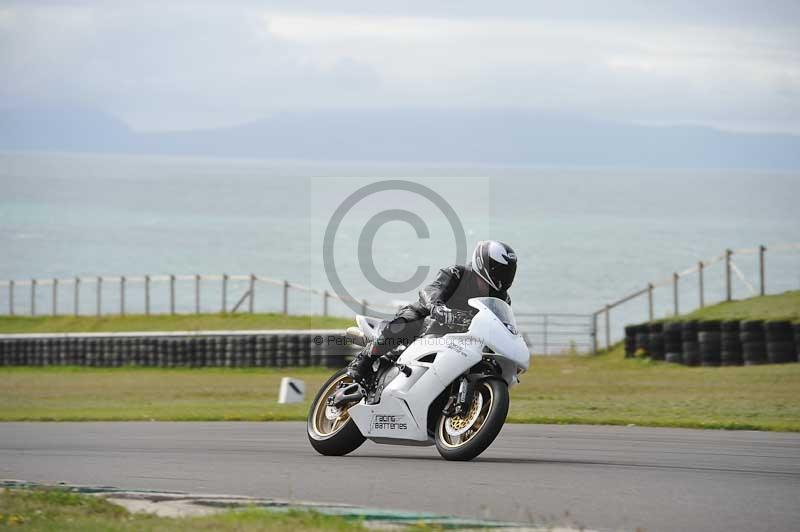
(495, 263)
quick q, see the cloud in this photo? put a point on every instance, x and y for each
(186, 65)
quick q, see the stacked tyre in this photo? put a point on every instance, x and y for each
(630, 340)
(673, 344)
(754, 342)
(797, 340)
(709, 341)
(780, 342)
(731, 344)
(690, 346)
(655, 344)
(642, 338)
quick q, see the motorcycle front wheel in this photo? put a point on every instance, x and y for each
(331, 431)
(465, 436)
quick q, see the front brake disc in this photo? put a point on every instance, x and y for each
(458, 425)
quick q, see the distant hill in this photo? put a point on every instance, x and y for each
(414, 136)
(71, 129)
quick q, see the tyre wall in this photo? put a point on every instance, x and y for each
(232, 349)
(716, 342)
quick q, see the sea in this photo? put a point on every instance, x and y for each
(585, 237)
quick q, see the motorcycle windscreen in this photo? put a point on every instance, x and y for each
(499, 308)
(497, 327)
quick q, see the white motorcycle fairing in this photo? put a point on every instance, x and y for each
(401, 416)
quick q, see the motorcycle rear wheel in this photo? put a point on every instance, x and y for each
(478, 427)
(328, 433)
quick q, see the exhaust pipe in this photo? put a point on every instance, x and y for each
(349, 394)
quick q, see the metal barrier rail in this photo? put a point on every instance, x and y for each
(557, 333)
(199, 281)
(730, 269)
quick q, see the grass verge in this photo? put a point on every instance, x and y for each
(60, 510)
(178, 322)
(785, 306)
(605, 389)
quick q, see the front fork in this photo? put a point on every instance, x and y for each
(460, 398)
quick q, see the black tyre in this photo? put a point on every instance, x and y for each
(754, 353)
(642, 341)
(731, 358)
(709, 337)
(691, 353)
(463, 438)
(730, 345)
(778, 326)
(709, 325)
(689, 331)
(797, 339)
(675, 358)
(730, 326)
(780, 336)
(751, 337)
(752, 325)
(331, 431)
(781, 352)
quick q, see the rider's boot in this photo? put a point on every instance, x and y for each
(361, 366)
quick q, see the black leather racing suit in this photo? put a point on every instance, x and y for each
(453, 287)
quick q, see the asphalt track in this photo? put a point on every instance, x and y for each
(605, 478)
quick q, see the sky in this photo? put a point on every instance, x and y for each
(161, 66)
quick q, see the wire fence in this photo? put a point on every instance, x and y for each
(557, 333)
(731, 274)
(546, 333)
(171, 294)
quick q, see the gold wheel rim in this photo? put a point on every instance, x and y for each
(320, 418)
(454, 442)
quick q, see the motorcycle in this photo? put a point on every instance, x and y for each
(448, 390)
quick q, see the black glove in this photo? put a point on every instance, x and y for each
(442, 314)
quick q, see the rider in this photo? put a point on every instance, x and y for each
(489, 275)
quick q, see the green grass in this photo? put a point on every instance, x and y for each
(784, 306)
(61, 510)
(166, 322)
(605, 389)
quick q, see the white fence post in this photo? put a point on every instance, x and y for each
(76, 295)
(675, 278)
(33, 297)
(55, 296)
(224, 293)
(197, 293)
(728, 288)
(122, 295)
(172, 294)
(147, 295)
(99, 295)
(252, 293)
(700, 283)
